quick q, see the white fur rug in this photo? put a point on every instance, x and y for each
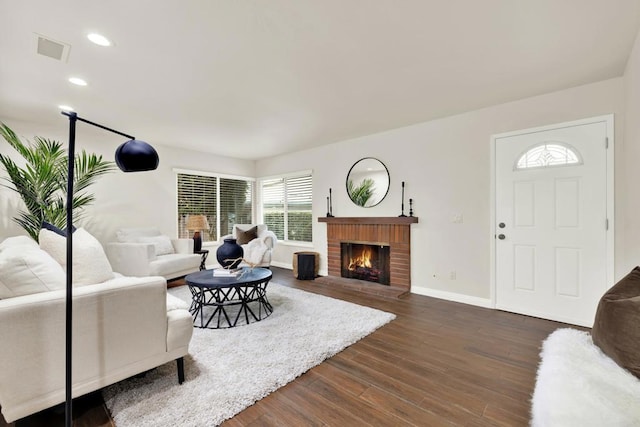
(230, 369)
(578, 385)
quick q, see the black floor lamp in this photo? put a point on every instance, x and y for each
(132, 156)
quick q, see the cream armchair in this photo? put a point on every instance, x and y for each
(144, 252)
(258, 244)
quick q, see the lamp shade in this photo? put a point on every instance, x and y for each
(136, 156)
(197, 222)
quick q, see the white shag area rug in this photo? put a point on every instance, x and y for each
(578, 385)
(228, 370)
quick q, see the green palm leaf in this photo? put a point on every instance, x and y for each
(360, 194)
(42, 182)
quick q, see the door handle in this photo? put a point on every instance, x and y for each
(502, 225)
(501, 236)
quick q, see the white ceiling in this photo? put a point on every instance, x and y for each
(257, 78)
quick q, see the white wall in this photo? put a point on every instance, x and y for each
(445, 165)
(630, 182)
(122, 199)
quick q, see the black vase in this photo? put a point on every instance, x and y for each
(229, 255)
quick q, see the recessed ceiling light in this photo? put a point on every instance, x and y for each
(65, 108)
(77, 81)
(99, 39)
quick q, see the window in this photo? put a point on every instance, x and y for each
(224, 201)
(548, 154)
(287, 206)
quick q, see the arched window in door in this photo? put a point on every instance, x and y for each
(548, 154)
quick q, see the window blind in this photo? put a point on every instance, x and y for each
(273, 205)
(287, 207)
(235, 204)
(224, 201)
(299, 204)
(197, 196)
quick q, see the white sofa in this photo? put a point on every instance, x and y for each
(121, 327)
(259, 250)
(147, 252)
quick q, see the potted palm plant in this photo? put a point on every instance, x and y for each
(42, 182)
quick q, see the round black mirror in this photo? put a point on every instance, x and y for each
(368, 182)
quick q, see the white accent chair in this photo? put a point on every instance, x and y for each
(257, 251)
(141, 252)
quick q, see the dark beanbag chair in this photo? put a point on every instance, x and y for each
(616, 329)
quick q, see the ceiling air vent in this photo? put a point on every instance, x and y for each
(53, 49)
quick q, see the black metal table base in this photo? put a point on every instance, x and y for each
(218, 308)
(204, 253)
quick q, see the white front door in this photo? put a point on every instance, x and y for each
(552, 221)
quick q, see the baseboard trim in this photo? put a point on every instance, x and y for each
(285, 265)
(451, 296)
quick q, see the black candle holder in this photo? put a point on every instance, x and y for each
(402, 214)
(410, 207)
(329, 206)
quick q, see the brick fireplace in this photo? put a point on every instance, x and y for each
(394, 232)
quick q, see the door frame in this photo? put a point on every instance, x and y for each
(610, 188)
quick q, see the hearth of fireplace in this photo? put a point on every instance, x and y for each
(365, 261)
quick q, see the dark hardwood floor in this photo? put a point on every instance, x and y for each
(439, 363)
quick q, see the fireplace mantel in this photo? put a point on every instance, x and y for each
(393, 231)
(366, 220)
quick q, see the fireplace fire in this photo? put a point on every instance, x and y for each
(365, 261)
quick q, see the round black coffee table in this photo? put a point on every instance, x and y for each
(220, 302)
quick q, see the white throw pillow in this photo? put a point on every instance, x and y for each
(161, 243)
(18, 241)
(90, 263)
(26, 269)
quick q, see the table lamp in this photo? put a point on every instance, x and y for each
(197, 223)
